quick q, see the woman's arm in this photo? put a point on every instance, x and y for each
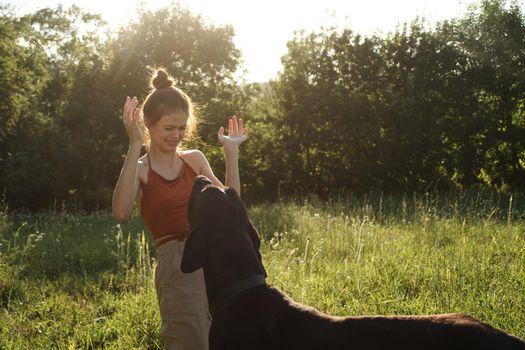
(237, 134)
(232, 180)
(127, 186)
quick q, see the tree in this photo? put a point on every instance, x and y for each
(493, 36)
(64, 82)
(421, 108)
(24, 129)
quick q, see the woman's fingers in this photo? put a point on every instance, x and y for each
(131, 117)
(129, 104)
(220, 134)
(136, 114)
(129, 107)
(126, 107)
(236, 130)
(230, 126)
(235, 126)
(241, 127)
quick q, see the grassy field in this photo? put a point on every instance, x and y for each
(71, 281)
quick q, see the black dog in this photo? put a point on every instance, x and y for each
(248, 314)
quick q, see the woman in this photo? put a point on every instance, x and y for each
(160, 182)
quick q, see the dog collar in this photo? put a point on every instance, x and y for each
(227, 295)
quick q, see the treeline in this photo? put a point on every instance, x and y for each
(63, 82)
(419, 109)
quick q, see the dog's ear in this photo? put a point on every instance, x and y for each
(199, 184)
(195, 249)
(256, 241)
(254, 236)
(194, 255)
(238, 204)
(243, 214)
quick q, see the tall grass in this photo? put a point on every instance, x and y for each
(86, 282)
(410, 254)
(76, 281)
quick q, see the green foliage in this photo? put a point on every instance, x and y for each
(385, 255)
(64, 78)
(419, 109)
(492, 34)
(84, 281)
(76, 279)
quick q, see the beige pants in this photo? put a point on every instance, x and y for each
(182, 301)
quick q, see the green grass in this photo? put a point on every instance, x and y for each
(85, 282)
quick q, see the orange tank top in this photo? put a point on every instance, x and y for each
(164, 204)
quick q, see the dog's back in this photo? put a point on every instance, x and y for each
(265, 318)
(433, 332)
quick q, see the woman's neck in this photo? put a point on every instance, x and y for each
(160, 157)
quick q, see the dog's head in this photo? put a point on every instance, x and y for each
(210, 205)
(222, 240)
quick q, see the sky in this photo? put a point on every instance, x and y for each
(262, 28)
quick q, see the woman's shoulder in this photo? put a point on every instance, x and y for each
(195, 158)
(191, 154)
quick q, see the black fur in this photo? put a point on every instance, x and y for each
(226, 246)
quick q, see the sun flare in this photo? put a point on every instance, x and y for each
(262, 29)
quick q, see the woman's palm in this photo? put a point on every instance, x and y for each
(237, 133)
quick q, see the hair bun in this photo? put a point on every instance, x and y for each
(162, 80)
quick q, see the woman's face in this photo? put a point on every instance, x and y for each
(167, 133)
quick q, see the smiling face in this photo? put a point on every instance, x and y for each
(167, 133)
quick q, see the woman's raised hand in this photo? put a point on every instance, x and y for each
(131, 118)
(237, 134)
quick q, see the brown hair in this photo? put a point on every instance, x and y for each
(165, 99)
